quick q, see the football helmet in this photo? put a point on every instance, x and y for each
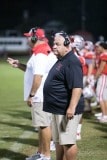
(89, 45)
(77, 42)
(88, 92)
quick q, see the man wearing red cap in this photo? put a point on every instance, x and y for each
(36, 71)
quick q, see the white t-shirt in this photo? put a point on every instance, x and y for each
(38, 64)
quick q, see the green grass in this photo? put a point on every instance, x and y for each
(15, 123)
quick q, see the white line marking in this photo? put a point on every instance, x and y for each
(4, 159)
(17, 146)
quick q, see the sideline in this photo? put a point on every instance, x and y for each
(17, 146)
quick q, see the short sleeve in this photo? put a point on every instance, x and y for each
(103, 57)
(74, 76)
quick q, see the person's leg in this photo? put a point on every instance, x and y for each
(55, 136)
(100, 92)
(105, 107)
(70, 152)
(44, 144)
(102, 105)
(42, 120)
(45, 140)
(105, 96)
(39, 142)
(68, 137)
(59, 152)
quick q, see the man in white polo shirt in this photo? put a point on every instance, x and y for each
(36, 71)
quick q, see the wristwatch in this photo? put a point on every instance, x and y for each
(31, 95)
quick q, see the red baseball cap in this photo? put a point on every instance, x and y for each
(38, 32)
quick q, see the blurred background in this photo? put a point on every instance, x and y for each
(85, 17)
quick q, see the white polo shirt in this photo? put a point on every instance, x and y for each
(38, 64)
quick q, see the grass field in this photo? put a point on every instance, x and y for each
(18, 138)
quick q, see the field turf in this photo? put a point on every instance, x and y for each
(18, 138)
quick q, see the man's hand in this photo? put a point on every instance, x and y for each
(13, 62)
(29, 102)
(70, 113)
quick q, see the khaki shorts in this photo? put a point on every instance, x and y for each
(65, 131)
(39, 117)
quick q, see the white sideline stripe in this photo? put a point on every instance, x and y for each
(4, 159)
(17, 146)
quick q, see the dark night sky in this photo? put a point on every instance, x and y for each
(66, 11)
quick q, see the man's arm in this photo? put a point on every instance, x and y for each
(36, 84)
(76, 94)
(22, 67)
(16, 64)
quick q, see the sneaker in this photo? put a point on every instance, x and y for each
(34, 157)
(36, 129)
(99, 117)
(92, 104)
(42, 158)
(45, 158)
(52, 146)
(98, 114)
(103, 120)
(78, 136)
